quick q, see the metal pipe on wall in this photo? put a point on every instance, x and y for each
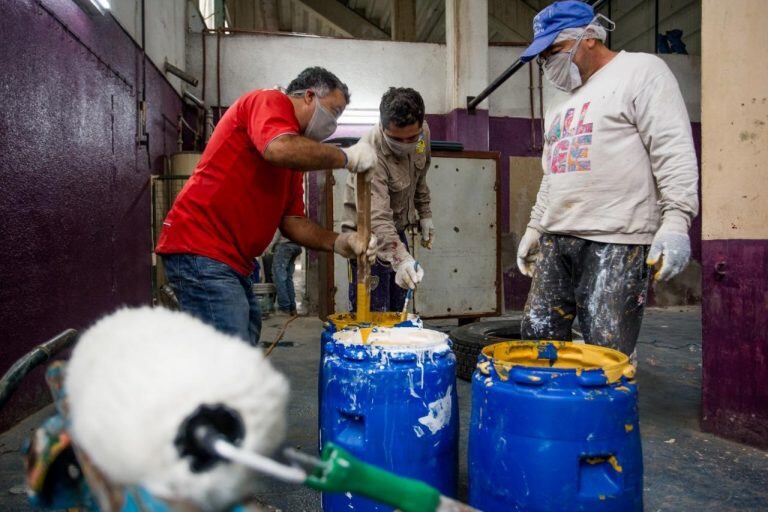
(656, 28)
(533, 111)
(474, 101)
(541, 106)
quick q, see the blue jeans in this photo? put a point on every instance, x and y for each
(213, 292)
(282, 274)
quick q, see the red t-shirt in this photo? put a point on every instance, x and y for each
(232, 204)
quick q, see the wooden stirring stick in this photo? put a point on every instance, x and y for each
(363, 266)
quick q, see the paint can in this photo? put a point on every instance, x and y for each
(265, 295)
(554, 427)
(391, 402)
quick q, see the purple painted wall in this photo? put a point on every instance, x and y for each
(511, 136)
(472, 130)
(74, 186)
(735, 340)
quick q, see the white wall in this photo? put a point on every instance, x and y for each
(250, 61)
(166, 27)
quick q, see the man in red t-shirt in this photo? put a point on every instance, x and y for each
(249, 183)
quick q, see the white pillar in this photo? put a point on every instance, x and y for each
(466, 37)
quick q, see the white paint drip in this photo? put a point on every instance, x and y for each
(439, 413)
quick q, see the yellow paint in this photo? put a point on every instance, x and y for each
(484, 367)
(363, 303)
(629, 427)
(561, 312)
(378, 319)
(612, 460)
(602, 497)
(364, 333)
(534, 378)
(576, 356)
(625, 389)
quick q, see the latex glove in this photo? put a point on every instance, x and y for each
(674, 251)
(427, 228)
(360, 158)
(351, 245)
(407, 275)
(527, 251)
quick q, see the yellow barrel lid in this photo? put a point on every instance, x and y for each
(564, 355)
(378, 319)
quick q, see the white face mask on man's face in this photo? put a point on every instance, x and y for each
(322, 124)
(561, 71)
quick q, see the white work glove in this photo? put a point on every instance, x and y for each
(527, 251)
(407, 275)
(427, 228)
(360, 158)
(351, 245)
(674, 250)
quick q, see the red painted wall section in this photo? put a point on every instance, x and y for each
(74, 187)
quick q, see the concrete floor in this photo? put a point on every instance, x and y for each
(685, 469)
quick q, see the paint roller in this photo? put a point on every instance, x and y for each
(137, 376)
(335, 471)
(159, 400)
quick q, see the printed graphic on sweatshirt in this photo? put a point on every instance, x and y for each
(569, 141)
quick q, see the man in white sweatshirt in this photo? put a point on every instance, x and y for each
(619, 189)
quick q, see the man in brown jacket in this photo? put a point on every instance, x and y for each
(400, 198)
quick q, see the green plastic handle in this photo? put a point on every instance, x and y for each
(342, 472)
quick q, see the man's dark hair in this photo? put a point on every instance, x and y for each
(402, 106)
(320, 80)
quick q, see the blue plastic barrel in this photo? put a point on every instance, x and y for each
(340, 321)
(554, 427)
(392, 403)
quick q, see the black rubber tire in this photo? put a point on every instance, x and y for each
(469, 340)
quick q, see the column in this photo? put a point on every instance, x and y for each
(735, 221)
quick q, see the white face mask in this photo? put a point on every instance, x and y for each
(322, 124)
(561, 71)
(401, 148)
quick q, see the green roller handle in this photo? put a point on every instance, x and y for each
(342, 472)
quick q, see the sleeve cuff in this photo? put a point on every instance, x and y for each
(676, 221)
(534, 224)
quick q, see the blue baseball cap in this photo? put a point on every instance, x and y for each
(552, 20)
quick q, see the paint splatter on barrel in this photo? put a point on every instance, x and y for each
(554, 427)
(392, 403)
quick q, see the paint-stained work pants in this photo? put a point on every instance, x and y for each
(604, 285)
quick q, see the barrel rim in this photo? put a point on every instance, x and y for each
(378, 319)
(615, 364)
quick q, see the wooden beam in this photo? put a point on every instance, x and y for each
(344, 19)
(404, 20)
